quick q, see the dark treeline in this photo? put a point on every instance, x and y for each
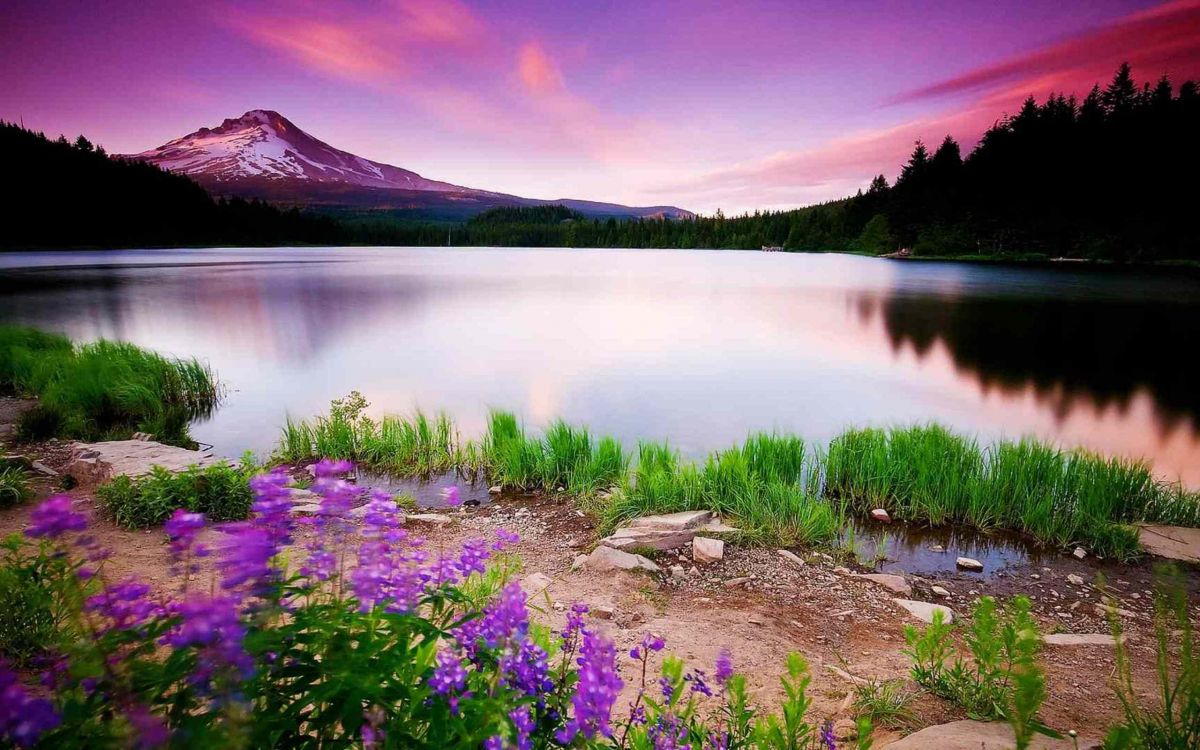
(1106, 177)
(1109, 177)
(66, 194)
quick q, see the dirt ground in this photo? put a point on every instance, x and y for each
(836, 622)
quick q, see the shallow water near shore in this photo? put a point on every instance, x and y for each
(918, 550)
(695, 347)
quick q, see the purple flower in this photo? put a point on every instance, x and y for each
(504, 539)
(699, 685)
(273, 506)
(724, 667)
(827, 739)
(449, 676)
(53, 518)
(151, 730)
(574, 623)
(125, 605)
(451, 496)
(473, 558)
(246, 554)
(182, 528)
(329, 467)
(596, 691)
(522, 719)
(213, 627)
(526, 668)
(23, 719)
(650, 642)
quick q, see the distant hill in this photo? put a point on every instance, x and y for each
(264, 155)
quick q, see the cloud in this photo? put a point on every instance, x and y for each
(1164, 38)
(537, 71)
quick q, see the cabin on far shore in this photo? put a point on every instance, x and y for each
(772, 249)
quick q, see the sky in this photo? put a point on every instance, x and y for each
(705, 105)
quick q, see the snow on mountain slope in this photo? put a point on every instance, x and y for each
(264, 155)
(265, 144)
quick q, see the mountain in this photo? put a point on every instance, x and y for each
(264, 155)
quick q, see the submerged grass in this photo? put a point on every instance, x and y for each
(777, 488)
(102, 390)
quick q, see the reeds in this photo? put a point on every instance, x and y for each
(565, 459)
(103, 390)
(416, 445)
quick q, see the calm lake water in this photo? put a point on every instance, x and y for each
(697, 347)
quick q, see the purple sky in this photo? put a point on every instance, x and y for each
(703, 105)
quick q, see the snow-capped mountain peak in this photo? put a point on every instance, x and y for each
(263, 144)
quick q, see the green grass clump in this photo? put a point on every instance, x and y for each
(103, 390)
(30, 619)
(14, 486)
(221, 492)
(409, 446)
(566, 458)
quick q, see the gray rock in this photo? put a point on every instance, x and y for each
(1075, 580)
(881, 515)
(937, 548)
(306, 509)
(578, 562)
(1080, 553)
(967, 563)
(974, 735)
(494, 490)
(437, 519)
(96, 463)
(705, 550)
(535, 583)
(609, 558)
(1171, 542)
(895, 584)
(940, 591)
(678, 573)
(688, 519)
(925, 610)
(733, 583)
(648, 537)
(791, 557)
(42, 469)
(1081, 639)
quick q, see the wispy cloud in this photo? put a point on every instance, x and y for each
(537, 71)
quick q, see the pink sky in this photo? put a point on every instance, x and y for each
(698, 104)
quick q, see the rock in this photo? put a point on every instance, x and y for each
(791, 557)
(1080, 553)
(646, 537)
(924, 610)
(715, 526)
(846, 675)
(1081, 639)
(1171, 542)
(733, 583)
(536, 583)
(937, 548)
(1104, 610)
(145, 437)
(678, 573)
(939, 591)
(42, 469)
(881, 515)
(895, 584)
(306, 509)
(301, 495)
(688, 519)
(1075, 580)
(438, 519)
(96, 463)
(705, 550)
(609, 558)
(312, 470)
(842, 570)
(603, 612)
(578, 562)
(967, 563)
(494, 490)
(974, 735)
(756, 620)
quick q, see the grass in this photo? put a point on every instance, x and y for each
(14, 486)
(102, 390)
(221, 492)
(777, 488)
(886, 703)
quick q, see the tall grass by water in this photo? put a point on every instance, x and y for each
(778, 488)
(102, 390)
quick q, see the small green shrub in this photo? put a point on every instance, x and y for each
(1173, 721)
(220, 492)
(31, 615)
(1002, 680)
(14, 486)
(885, 703)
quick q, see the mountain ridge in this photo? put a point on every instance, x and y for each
(262, 154)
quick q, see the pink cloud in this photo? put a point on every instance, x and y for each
(537, 71)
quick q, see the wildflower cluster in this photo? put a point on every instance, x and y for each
(368, 639)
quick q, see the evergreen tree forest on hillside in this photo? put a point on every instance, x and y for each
(1106, 177)
(65, 194)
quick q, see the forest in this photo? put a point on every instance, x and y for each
(1102, 178)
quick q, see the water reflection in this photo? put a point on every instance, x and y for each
(695, 347)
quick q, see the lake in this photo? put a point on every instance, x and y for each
(696, 347)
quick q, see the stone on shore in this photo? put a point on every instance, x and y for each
(1081, 639)
(96, 463)
(1075, 580)
(895, 584)
(968, 563)
(628, 538)
(973, 735)
(940, 591)
(535, 583)
(881, 515)
(609, 558)
(791, 557)
(684, 520)
(437, 519)
(705, 550)
(1171, 542)
(924, 611)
